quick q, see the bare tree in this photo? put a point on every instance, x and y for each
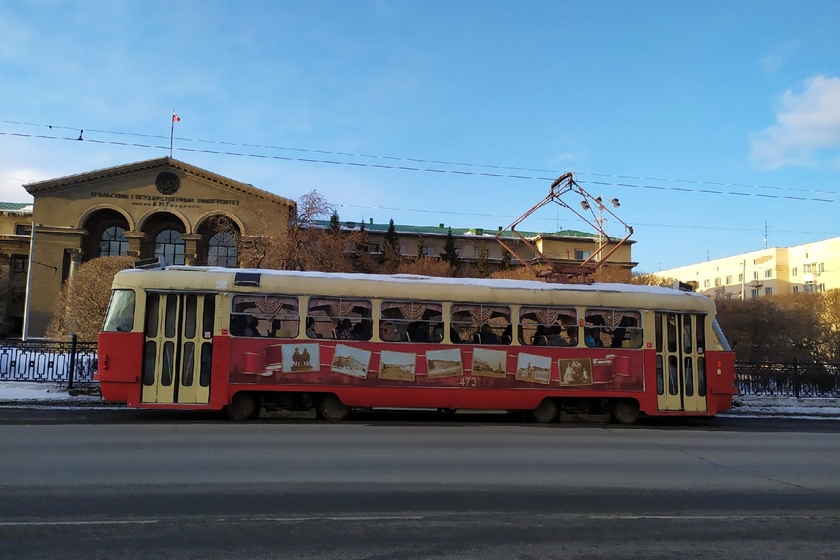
(83, 299)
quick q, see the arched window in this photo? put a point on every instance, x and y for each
(221, 250)
(170, 245)
(113, 242)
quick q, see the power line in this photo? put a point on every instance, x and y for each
(462, 164)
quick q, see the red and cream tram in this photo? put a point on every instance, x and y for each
(249, 340)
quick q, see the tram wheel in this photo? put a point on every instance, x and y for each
(242, 406)
(332, 409)
(545, 412)
(625, 411)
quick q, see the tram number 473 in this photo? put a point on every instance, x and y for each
(468, 382)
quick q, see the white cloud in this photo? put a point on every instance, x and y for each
(12, 181)
(771, 63)
(807, 127)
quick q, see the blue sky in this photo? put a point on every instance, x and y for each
(706, 119)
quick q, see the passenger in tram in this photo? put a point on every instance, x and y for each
(540, 337)
(417, 332)
(555, 336)
(251, 326)
(486, 335)
(362, 330)
(454, 337)
(389, 332)
(507, 335)
(591, 338)
(310, 328)
(343, 330)
(237, 325)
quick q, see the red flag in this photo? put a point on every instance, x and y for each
(175, 117)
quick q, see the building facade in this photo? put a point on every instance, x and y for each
(812, 267)
(186, 215)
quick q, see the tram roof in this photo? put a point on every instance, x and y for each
(393, 286)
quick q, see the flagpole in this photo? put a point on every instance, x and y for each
(171, 132)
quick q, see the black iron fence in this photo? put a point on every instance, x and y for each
(788, 380)
(48, 361)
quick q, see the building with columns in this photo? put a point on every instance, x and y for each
(160, 207)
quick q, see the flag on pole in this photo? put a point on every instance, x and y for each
(175, 117)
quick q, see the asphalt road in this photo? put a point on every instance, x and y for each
(120, 484)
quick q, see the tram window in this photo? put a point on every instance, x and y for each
(411, 321)
(688, 339)
(660, 376)
(688, 372)
(149, 360)
(700, 329)
(548, 326)
(269, 315)
(120, 315)
(658, 319)
(189, 318)
(152, 311)
(171, 317)
(613, 328)
(340, 318)
(701, 376)
(208, 316)
(481, 324)
(672, 332)
(673, 376)
(188, 364)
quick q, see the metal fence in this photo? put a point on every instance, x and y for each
(48, 361)
(787, 380)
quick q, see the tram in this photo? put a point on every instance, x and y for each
(252, 341)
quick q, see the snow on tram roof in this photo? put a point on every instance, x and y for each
(497, 283)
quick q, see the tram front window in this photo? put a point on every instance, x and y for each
(120, 315)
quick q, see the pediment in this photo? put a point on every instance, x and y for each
(109, 181)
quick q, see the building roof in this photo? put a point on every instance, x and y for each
(22, 207)
(441, 230)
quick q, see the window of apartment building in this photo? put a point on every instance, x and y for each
(729, 279)
(582, 255)
(23, 229)
(754, 293)
(768, 273)
(768, 291)
(755, 275)
(740, 278)
(429, 251)
(403, 249)
(809, 287)
(706, 283)
(820, 287)
(717, 282)
(19, 264)
(806, 269)
(373, 248)
(820, 267)
(796, 289)
(794, 272)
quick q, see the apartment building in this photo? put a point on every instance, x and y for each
(812, 267)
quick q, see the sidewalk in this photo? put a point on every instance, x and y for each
(50, 394)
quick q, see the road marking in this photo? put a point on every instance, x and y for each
(343, 518)
(53, 523)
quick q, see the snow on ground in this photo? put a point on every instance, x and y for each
(743, 406)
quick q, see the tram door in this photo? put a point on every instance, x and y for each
(680, 361)
(178, 348)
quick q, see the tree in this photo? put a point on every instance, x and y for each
(506, 258)
(426, 267)
(390, 259)
(83, 300)
(450, 253)
(421, 248)
(482, 266)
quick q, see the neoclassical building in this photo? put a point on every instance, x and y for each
(187, 215)
(160, 207)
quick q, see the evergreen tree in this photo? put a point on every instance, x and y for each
(335, 223)
(481, 264)
(421, 248)
(450, 253)
(390, 258)
(506, 258)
